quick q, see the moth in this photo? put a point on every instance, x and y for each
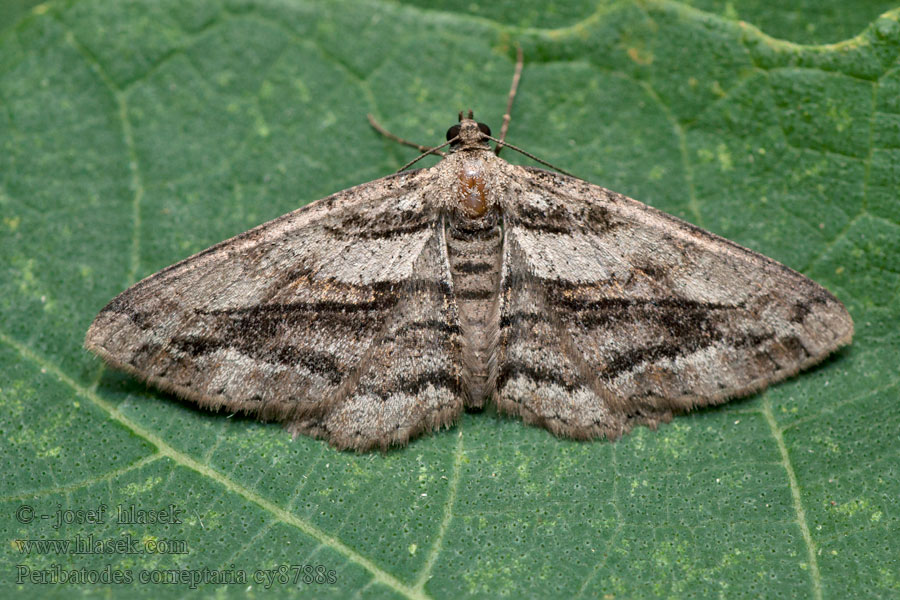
(383, 311)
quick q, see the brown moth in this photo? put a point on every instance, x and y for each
(384, 310)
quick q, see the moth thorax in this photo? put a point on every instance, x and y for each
(470, 193)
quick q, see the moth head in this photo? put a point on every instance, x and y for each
(468, 133)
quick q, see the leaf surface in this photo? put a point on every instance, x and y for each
(134, 134)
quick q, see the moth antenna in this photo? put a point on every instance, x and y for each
(509, 100)
(430, 151)
(528, 154)
(377, 126)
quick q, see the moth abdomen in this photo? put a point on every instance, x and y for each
(475, 253)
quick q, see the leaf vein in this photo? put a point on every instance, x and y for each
(182, 459)
(814, 575)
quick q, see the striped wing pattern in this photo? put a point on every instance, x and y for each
(614, 313)
(282, 323)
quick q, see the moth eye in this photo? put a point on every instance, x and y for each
(452, 132)
(484, 129)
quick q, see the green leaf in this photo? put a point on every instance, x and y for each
(136, 133)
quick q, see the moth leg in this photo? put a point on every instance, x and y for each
(377, 126)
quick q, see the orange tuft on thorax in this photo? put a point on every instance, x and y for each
(470, 193)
